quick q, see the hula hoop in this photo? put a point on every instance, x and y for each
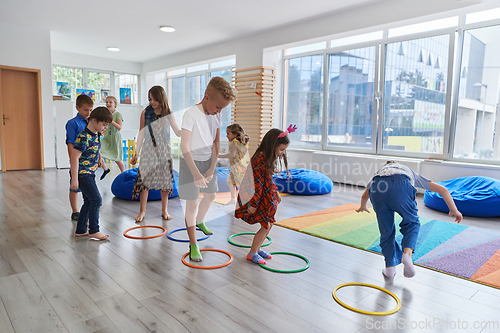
(145, 226)
(208, 267)
(247, 233)
(383, 313)
(184, 240)
(290, 271)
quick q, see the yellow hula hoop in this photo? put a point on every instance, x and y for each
(384, 313)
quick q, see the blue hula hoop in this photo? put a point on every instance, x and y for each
(184, 240)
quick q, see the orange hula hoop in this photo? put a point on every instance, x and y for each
(209, 267)
(145, 226)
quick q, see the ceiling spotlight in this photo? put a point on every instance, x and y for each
(114, 49)
(165, 28)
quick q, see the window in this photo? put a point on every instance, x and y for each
(100, 83)
(227, 74)
(477, 129)
(423, 27)
(72, 76)
(196, 88)
(176, 93)
(350, 109)
(303, 99)
(414, 107)
(305, 48)
(126, 86)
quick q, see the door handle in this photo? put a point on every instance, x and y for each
(4, 119)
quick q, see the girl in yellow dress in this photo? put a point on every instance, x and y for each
(238, 158)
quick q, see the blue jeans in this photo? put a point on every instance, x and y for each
(390, 194)
(92, 202)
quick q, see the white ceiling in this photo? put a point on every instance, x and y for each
(90, 26)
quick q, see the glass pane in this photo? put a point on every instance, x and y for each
(303, 104)
(197, 85)
(477, 131)
(306, 48)
(100, 83)
(357, 39)
(416, 74)
(127, 88)
(226, 112)
(350, 98)
(72, 76)
(424, 26)
(486, 15)
(176, 93)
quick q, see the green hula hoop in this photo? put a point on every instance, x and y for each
(290, 271)
(247, 233)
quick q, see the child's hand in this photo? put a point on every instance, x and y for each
(252, 210)
(457, 214)
(133, 161)
(200, 181)
(278, 197)
(209, 175)
(362, 209)
(74, 184)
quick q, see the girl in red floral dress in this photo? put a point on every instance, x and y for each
(258, 198)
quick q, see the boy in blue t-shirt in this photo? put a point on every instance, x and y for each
(85, 159)
(75, 126)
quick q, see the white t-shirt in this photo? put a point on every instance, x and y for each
(398, 169)
(203, 130)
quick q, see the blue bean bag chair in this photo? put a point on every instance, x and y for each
(474, 196)
(303, 182)
(222, 174)
(123, 186)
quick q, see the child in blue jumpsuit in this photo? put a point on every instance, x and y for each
(393, 189)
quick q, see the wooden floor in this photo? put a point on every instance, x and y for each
(52, 282)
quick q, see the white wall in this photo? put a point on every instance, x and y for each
(249, 50)
(30, 48)
(92, 62)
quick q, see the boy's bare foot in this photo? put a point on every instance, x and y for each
(79, 235)
(140, 217)
(166, 216)
(99, 235)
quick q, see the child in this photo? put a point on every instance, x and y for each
(258, 190)
(85, 159)
(153, 142)
(393, 189)
(238, 158)
(200, 148)
(111, 144)
(74, 126)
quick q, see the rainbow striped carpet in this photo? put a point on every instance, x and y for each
(467, 252)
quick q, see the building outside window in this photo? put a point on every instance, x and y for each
(415, 84)
(303, 99)
(477, 126)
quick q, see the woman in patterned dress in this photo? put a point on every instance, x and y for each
(238, 158)
(258, 198)
(153, 146)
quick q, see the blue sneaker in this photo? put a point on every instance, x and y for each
(256, 258)
(264, 254)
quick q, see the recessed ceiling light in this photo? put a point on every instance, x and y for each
(165, 28)
(114, 49)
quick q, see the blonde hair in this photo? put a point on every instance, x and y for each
(237, 130)
(114, 99)
(219, 85)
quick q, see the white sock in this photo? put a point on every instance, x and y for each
(389, 273)
(409, 270)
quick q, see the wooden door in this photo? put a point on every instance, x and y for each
(20, 109)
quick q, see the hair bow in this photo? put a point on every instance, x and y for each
(289, 130)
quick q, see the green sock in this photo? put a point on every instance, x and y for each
(194, 252)
(204, 228)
